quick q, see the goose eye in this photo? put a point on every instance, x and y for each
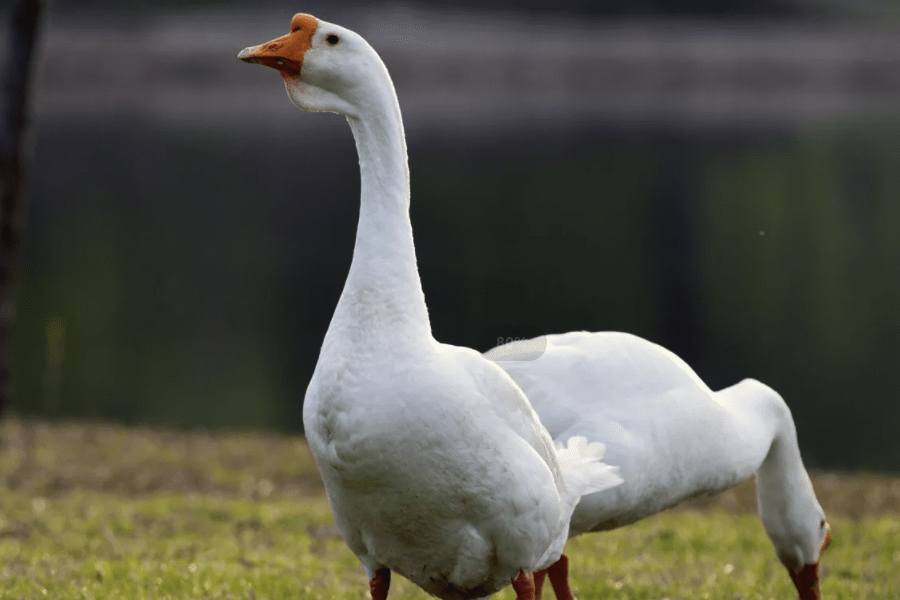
(332, 39)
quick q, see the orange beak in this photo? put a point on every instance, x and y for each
(285, 54)
(806, 580)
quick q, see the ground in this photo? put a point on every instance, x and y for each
(103, 511)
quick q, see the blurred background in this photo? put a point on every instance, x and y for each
(721, 177)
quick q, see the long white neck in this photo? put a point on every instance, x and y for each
(383, 292)
(787, 503)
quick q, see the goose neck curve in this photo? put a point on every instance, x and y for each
(383, 289)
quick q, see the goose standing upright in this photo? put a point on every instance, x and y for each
(435, 464)
(672, 437)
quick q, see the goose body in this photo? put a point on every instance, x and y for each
(671, 436)
(453, 484)
(435, 464)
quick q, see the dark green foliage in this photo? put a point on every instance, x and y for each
(187, 276)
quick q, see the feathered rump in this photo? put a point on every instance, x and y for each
(583, 469)
(583, 472)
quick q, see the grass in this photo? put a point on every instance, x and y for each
(100, 511)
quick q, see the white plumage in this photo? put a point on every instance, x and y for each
(671, 436)
(435, 464)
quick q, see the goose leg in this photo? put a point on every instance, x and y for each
(378, 585)
(539, 583)
(524, 586)
(559, 578)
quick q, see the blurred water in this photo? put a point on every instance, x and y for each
(728, 192)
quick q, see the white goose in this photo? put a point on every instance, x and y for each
(435, 464)
(671, 436)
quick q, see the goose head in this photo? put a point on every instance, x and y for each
(325, 67)
(800, 534)
(805, 571)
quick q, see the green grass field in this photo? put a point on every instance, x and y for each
(100, 511)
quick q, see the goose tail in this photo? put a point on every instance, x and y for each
(583, 469)
(583, 472)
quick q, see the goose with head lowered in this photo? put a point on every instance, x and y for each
(435, 464)
(672, 437)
